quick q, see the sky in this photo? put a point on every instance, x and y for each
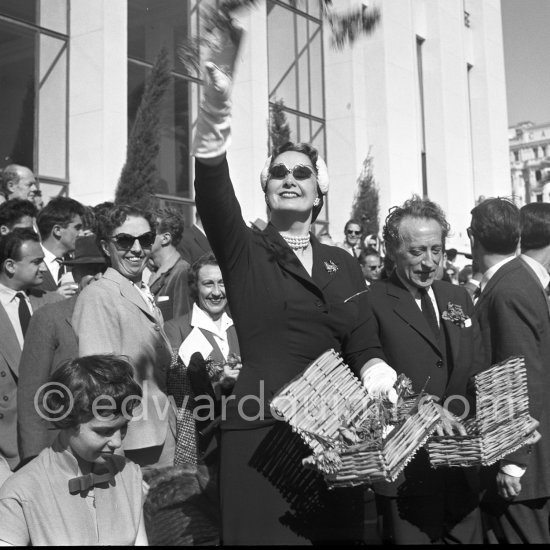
(526, 33)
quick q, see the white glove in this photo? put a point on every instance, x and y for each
(378, 379)
(212, 136)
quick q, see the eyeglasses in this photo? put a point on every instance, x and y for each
(373, 267)
(352, 232)
(123, 241)
(299, 172)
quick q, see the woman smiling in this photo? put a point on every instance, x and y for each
(117, 314)
(289, 296)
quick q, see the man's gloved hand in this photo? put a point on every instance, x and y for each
(378, 379)
(212, 136)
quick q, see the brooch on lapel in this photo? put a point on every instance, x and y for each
(456, 315)
(331, 267)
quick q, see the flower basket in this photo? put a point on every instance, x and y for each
(500, 425)
(329, 407)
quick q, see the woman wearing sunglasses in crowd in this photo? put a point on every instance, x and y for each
(288, 296)
(117, 314)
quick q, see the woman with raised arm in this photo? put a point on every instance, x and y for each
(289, 298)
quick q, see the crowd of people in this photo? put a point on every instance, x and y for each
(131, 347)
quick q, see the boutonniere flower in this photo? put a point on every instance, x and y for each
(456, 315)
(331, 267)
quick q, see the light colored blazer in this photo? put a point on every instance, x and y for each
(111, 316)
(10, 355)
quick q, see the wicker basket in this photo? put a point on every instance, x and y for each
(325, 400)
(500, 426)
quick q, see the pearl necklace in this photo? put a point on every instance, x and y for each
(296, 243)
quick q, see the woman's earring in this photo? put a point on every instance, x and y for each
(317, 201)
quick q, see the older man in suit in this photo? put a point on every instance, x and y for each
(412, 333)
(21, 271)
(511, 315)
(49, 341)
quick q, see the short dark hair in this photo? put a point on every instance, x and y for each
(451, 254)
(369, 251)
(84, 381)
(170, 221)
(59, 211)
(108, 220)
(535, 225)
(193, 273)
(313, 155)
(495, 223)
(13, 210)
(10, 244)
(353, 221)
(465, 274)
(417, 208)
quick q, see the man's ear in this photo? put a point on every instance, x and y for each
(166, 239)
(56, 231)
(9, 266)
(4, 230)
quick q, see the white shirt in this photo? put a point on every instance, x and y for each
(51, 263)
(539, 269)
(11, 305)
(201, 319)
(487, 276)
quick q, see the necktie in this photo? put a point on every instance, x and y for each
(24, 312)
(429, 312)
(477, 293)
(61, 269)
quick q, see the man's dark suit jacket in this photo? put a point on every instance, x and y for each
(193, 245)
(402, 337)
(512, 318)
(49, 341)
(48, 284)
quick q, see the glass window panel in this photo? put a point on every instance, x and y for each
(52, 102)
(305, 132)
(293, 126)
(176, 114)
(317, 138)
(281, 56)
(153, 24)
(53, 15)
(314, 8)
(301, 33)
(303, 89)
(22, 9)
(17, 95)
(316, 74)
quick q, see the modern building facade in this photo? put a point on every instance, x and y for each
(425, 93)
(530, 162)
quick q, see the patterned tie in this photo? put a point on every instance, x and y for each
(60, 271)
(24, 312)
(429, 312)
(477, 294)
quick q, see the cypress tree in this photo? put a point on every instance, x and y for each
(279, 130)
(139, 178)
(366, 208)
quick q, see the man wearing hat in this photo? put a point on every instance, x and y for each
(49, 341)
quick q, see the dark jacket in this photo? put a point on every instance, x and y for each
(512, 318)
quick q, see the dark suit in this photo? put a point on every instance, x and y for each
(193, 244)
(49, 341)
(512, 318)
(10, 355)
(433, 501)
(48, 284)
